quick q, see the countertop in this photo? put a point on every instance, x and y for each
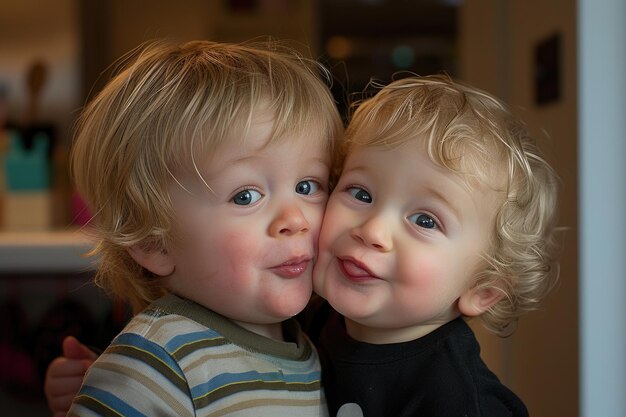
(41, 252)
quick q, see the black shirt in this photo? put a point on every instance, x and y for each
(440, 374)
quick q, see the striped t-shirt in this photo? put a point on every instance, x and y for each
(177, 358)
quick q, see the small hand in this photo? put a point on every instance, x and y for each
(65, 374)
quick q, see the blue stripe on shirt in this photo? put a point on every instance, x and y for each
(184, 339)
(225, 379)
(110, 401)
(139, 342)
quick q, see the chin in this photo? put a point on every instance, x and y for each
(349, 303)
(350, 313)
(293, 305)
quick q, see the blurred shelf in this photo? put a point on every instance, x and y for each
(42, 252)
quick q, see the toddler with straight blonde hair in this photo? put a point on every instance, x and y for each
(206, 168)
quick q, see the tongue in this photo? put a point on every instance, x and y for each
(352, 269)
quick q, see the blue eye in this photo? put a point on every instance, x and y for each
(360, 194)
(423, 220)
(307, 187)
(246, 197)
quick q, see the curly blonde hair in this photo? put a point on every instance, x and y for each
(170, 105)
(474, 134)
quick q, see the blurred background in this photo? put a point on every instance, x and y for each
(55, 55)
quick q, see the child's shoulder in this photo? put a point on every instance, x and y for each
(158, 328)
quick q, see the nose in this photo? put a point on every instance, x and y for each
(374, 233)
(289, 221)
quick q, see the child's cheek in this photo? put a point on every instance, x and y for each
(236, 247)
(419, 271)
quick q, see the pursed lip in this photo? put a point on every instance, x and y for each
(292, 268)
(355, 270)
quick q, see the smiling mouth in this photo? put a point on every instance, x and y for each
(355, 271)
(293, 268)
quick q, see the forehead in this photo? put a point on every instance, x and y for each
(477, 161)
(254, 158)
(412, 161)
(260, 137)
(253, 135)
(403, 162)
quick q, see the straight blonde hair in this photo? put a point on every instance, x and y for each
(170, 106)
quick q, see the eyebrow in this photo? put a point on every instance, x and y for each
(326, 162)
(445, 201)
(254, 156)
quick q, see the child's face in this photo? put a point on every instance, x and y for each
(248, 246)
(401, 241)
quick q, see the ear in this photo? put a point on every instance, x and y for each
(476, 301)
(157, 261)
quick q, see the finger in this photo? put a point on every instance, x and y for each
(73, 349)
(63, 386)
(63, 367)
(63, 378)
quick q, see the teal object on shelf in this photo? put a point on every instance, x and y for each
(27, 170)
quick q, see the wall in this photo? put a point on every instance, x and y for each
(113, 28)
(602, 105)
(498, 37)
